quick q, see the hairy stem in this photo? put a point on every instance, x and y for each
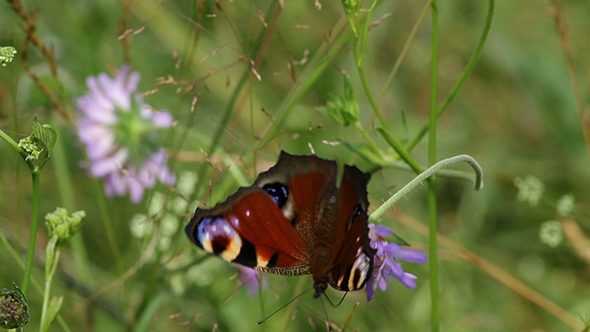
(428, 173)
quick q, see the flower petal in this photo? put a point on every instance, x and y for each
(136, 189)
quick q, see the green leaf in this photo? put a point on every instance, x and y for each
(351, 112)
(44, 134)
(50, 254)
(42, 138)
(366, 153)
(52, 311)
(399, 240)
(344, 110)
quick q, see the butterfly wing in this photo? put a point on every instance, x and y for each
(269, 226)
(248, 229)
(353, 262)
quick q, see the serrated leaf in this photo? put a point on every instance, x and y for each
(345, 110)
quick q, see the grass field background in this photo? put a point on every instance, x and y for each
(260, 71)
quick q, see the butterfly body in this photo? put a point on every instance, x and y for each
(294, 220)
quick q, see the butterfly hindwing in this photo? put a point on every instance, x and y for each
(353, 262)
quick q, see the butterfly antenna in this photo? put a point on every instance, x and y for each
(339, 302)
(328, 325)
(284, 305)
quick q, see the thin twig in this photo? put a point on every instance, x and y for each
(567, 51)
(31, 28)
(52, 97)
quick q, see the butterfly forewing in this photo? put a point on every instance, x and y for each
(249, 229)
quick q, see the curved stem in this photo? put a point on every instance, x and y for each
(33, 233)
(443, 173)
(466, 73)
(428, 173)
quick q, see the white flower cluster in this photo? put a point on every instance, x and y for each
(565, 205)
(6, 55)
(551, 233)
(530, 189)
(168, 211)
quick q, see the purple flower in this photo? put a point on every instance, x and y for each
(119, 133)
(251, 279)
(385, 265)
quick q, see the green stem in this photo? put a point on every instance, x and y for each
(399, 148)
(44, 326)
(466, 73)
(433, 253)
(33, 233)
(372, 144)
(428, 173)
(46, 292)
(385, 131)
(443, 173)
(17, 148)
(144, 322)
(108, 225)
(35, 284)
(359, 64)
(433, 259)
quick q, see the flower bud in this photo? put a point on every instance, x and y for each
(6, 55)
(351, 6)
(63, 226)
(14, 310)
(31, 146)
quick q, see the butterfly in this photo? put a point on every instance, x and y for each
(294, 220)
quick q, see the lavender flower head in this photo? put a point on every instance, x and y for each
(118, 131)
(385, 264)
(251, 279)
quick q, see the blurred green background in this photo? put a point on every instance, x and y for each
(516, 115)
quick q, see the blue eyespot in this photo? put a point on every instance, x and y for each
(278, 192)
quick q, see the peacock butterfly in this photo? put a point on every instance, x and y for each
(294, 220)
